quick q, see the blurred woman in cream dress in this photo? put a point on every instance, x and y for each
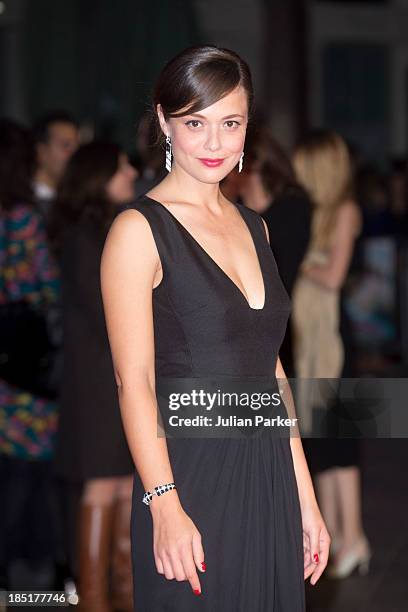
(322, 340)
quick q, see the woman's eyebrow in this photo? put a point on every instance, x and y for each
(223, 118)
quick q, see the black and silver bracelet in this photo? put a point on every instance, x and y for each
(159, 490)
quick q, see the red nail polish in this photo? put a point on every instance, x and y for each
(203, 565)
(197, 592)
(316, 558)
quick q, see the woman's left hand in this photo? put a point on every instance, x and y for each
(316, 543)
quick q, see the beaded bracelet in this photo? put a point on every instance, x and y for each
(159, 490)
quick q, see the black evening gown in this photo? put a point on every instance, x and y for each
(240, 493)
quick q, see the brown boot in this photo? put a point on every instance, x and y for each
(95, 536)
(122, 580)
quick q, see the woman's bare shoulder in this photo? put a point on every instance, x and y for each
(130, 239)
(130, 224)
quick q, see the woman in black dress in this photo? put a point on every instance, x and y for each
(192, 295)
(92, 449)
(269, 187)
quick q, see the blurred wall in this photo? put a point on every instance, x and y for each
(12, 77)
(96, 59)
(358, 67)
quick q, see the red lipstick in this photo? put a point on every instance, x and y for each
(211, 163)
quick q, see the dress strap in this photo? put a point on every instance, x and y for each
(256, 223)
(166, 237)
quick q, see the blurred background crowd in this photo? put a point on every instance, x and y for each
(325, 163)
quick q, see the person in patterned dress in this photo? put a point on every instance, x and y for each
(28, 423)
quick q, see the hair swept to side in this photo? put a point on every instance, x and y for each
(197, 78)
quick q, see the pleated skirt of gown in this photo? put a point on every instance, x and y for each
(241, 496)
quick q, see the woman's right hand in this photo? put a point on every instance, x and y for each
(177, 546)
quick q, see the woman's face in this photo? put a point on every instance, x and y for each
(120, 188)
(207, 145)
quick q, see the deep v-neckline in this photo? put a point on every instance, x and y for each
(216, 265)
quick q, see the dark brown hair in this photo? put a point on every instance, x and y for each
(265, 155)
(197, 78)
(17, 161)
(82, 196)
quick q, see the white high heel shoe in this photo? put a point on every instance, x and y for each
(357, 558)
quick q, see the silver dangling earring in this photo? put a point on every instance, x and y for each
(241, 162)
(168, 153)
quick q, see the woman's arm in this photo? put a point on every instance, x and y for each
(333, 274)
(316, 539)
(305, 485)
(129, 268)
